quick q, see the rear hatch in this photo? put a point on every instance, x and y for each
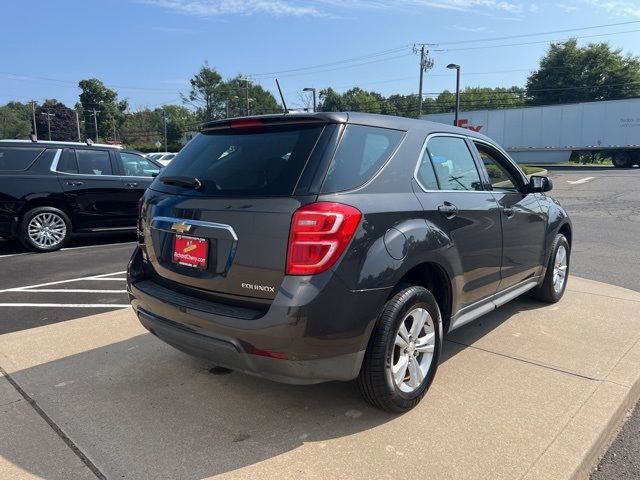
(217, 219)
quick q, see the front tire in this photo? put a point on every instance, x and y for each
(555, 280)
(44, 229)
(622, 160)
(403, 353)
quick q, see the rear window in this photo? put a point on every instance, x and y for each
(18, 158)
(261, 161)
(361, 153)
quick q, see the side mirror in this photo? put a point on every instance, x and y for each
(539, 184)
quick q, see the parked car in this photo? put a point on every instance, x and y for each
(50, 191)
(163, 157)
(337, 246)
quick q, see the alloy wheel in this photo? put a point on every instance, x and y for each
(560, 269)
(413, 350)
(47, 230)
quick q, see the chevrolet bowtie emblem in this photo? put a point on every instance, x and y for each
(180, 227)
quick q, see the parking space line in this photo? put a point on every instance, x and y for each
(582, 180)
(66, 290)
(67, 305)
(91, 277)
(105, 279)
(69, 248)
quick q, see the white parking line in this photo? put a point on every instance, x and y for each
(91, 277)
(69, 248)
(67, 305)
(66, 290)
(582, 180)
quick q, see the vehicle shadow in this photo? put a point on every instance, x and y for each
(140, 409)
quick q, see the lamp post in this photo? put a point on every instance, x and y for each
(457, 68)
(313, 91)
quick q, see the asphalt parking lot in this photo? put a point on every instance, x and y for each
(87, 278)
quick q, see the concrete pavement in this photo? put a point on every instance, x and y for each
(531, 391)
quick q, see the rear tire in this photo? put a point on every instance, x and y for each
(555, 280)
(44, 229)
(403, 352)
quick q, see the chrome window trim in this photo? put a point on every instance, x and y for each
(424, 148)
(197, 223)
(56, 159)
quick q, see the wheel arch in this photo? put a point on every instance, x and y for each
(434, 278)
(46, 202)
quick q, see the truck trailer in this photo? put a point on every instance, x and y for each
(552, 134)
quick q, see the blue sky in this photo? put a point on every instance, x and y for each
(148, 49)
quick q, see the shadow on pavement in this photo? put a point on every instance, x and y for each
(140, 409)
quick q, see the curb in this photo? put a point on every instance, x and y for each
(579, 447)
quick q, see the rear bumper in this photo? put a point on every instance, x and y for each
(317, 328)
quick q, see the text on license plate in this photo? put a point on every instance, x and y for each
(191, 251)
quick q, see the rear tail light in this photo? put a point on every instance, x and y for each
(320, 232)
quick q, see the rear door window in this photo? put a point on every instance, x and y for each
(93, 162)
(361, 153)
(18, 158)
(255, 161)
(135, 165)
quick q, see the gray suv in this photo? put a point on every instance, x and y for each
(340, 246)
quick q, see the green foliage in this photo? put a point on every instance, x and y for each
(15, 120)
(569, 74)
(214, 98)
(145, 127)
(95, 95)
(63, 123)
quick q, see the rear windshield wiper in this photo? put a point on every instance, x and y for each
(191, 182)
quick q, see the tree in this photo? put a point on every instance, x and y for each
(205, 94)
(353, 100)
(63, 121)
(569, 74)
(96, 96)
(15, 120)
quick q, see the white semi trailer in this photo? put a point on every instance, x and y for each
(551, 134)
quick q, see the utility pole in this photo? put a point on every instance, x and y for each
(247, 94)
(113, 124)
(78, 125)
(164, 116)
(33, 111)
(49, 115)
(94, 114)
(426, 63)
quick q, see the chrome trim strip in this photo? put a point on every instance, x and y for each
(197, 223)
(484, 306)
(56, 159)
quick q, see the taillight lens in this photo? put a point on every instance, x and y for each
(320, 232)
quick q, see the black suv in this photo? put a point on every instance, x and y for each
(51, 190)
(336, 246)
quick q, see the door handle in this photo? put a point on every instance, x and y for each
(508, 211)
(132, 184)
(75, 184)
(449, 210)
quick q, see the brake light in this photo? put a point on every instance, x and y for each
(246, 123)
(320, 232)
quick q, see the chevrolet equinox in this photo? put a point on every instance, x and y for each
(340, 246)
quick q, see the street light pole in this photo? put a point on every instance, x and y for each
(33, 112)
(164, 115)
(312, 90)
(78, 124)
(49, 115)
(94, 114)
(457, 69)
